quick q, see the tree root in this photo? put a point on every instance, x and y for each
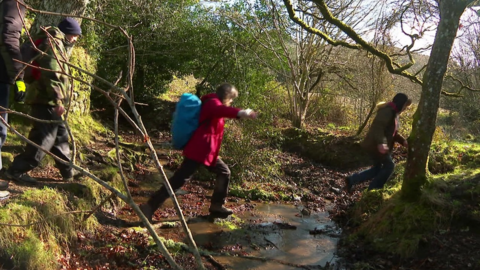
(214, 262)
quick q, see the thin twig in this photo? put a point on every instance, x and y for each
(273, 244)
(157, 240)
(95, 209)
(139, 127)
(214, 262)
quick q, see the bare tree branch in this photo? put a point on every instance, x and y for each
(462, 84)
(361, 43)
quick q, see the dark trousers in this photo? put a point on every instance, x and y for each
(380, 172)
(51, 136)
(4, 96)
(185, 172)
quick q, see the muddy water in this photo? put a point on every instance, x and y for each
(273, 231)
(269, 230)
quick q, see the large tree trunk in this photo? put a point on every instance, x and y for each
(75, 7)
(425, 117)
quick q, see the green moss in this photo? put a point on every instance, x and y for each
(13, 139)
(47, 227)
(394, 225)
(82, 59)
(95, 193)
(253, 163)
(7, 159)
(32, 253)
(324, 146)
(173, 246)
(84, 128)
(232, 223)
(260, 192)
(108, 174)
(397, 226)
(363, 266)
(50, 203)
(446, 157)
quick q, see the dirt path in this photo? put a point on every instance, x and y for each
(296, 234)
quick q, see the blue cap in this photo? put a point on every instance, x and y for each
(70, 26)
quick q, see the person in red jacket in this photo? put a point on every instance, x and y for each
(202, 150)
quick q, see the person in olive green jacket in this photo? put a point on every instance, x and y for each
(48, 95)
(379, 141)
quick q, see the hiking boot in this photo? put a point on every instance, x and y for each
(348, 185)
(75, 176)
(147, 211)
(220, 209)
(3, 185)
(21, 177)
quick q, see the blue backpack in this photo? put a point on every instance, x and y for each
(185, 120)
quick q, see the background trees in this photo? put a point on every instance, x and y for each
(310, 58)
(448, 14)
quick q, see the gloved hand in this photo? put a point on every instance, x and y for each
(19, 88)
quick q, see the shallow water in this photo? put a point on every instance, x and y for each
(258, 232)
(260, 235)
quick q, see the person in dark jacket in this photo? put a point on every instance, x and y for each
(202, 150)
(11, 74)
(48, 95)
(379, 141)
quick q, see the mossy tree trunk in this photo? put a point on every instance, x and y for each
(299, 111)
(425, 117)
(75, 7)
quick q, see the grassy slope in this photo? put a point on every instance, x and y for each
(450, 201)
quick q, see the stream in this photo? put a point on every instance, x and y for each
(279, 231)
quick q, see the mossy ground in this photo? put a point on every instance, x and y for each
(260, 167)
(49, 217)
(41, 223)
(448, 201)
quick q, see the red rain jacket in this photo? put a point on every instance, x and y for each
(205, 143)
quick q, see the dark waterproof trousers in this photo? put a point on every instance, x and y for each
(50, 136)
(4, 96)
(380, 172)
(185, 172)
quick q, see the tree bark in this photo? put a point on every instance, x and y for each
(300, 113)
(74, 7)
(424, 120)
